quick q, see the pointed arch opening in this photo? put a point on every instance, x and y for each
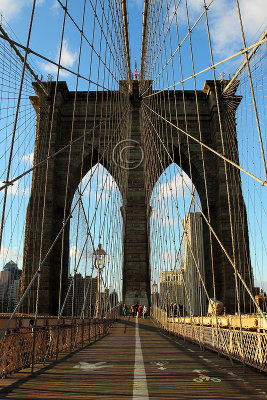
(176, 245)
(96, 220)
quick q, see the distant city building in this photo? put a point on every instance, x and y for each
(9, 287)
(3, 298)
(82, 294)
(261, 300)
(106, 299)
(195, 303)
(13, 294)
(171, 287)
(113, 299)
(10, 273)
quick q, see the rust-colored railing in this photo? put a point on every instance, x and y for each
(248, 346)
(16, 347)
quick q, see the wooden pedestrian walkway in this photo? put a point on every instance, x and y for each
(137, 360)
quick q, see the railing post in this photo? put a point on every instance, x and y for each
(82, 330)
(259, 352)
(231, 342)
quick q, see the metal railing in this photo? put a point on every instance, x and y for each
(16, 347)
(245, 346)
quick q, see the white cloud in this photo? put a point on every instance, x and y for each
(163, 218)
(8, 254)
(225, 27)
(138, 3)
(168, 257)
(68, 58)
(12, 9)
(195, 7)
(102, 182)
(262, 284)
(175, 187)
(75, 252)
(55, 8)
(224, 22)
(16, 189)
(27, 159)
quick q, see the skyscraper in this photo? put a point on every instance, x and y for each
(194, 267)
(82, 295)
(171, 287)
(9, 286)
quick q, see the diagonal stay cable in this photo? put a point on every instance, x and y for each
(264, 183)
(12, 181)
(166, 33)
(180, 44)
(60, 66)
(252, 92)
(80, 257)
(86, 39)
(13, 46)
(211, 228)
(65, 301)
(16, 120)
(242, 51)
(49, 251)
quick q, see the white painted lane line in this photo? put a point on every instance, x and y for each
(140, 385)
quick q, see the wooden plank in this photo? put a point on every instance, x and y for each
(174, 370)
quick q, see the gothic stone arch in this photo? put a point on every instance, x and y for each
(136, 270)
(192, 163)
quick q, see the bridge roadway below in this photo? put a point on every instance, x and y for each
(137, 360)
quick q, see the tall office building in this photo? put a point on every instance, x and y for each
(9, 287)
(194, 266)
(171, 287)
(82, 294)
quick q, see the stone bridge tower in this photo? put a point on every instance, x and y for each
(136, 270)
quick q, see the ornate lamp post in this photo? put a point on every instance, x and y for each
(99, 256)
(154, 288)
(154, 296)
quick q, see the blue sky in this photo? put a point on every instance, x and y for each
(226, 40)
(46, 31)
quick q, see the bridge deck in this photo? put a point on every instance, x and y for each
(163, 367)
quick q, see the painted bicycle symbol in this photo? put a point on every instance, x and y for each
(160, 364)
(204, 378)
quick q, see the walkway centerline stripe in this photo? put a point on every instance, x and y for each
(140, 385)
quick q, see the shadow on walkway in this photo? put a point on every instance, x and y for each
(131, 321)
(52, 363)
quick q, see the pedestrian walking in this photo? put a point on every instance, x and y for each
(139, 310)
(144, 312)
(124, 310)
(132, 310)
